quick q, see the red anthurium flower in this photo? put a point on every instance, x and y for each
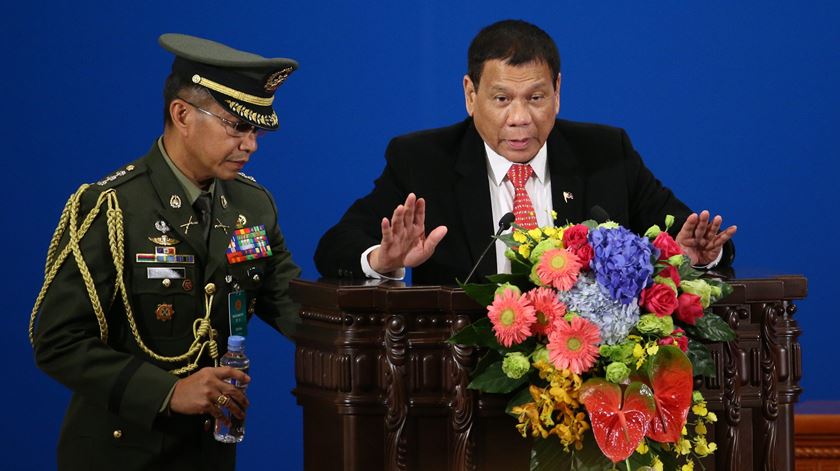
(618, 428)
(671, 380)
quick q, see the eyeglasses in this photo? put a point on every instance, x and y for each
(232, 128)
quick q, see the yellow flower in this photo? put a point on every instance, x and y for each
(553, 215)
(520, 237)
(683, 446)
(536, 234)
(657, 465)
(711, 417)
(652, 348)
(638, 351)
(549, 231)
(525, 250)
(700, 409)
(642, 449)
(688, 466)
(700, 428)
(684, 431)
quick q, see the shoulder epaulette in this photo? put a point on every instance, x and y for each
(247, 177)
(119, 176)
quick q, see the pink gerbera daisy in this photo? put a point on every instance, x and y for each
(574, 345)
(547, 309)
(511, 316)
(558, 268)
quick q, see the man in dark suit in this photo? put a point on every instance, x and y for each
(152, 268)
(463, 175)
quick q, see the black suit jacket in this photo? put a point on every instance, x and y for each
(448, 167)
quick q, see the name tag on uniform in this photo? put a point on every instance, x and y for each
(161, 273)
(237, 308)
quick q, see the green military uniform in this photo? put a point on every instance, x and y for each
(143, 299)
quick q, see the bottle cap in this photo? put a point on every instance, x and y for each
(236, 342)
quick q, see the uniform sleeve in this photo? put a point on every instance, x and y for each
(340, 248)
(67, 339)
(274, 305)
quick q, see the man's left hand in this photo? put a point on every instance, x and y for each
(700, 239)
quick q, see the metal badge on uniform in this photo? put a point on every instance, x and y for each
(175, 201)
(164, 239)
(249, 243)
(164, 312)
(165, 273)
(237, 306)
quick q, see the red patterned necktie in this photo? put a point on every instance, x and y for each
(522, 207)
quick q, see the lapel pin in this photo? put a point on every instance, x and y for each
(241, 221)
(186, 225)
(175, 201)
(221, 226)
(567, 195)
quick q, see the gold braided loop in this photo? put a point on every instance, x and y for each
(202, 328)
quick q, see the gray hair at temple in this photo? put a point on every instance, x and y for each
(515, 42)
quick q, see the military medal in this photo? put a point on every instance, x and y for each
(164, 239)
(187, 285)
(164, 312)
(175, 201)
(164, 255)
(241, 221)
(249, 243)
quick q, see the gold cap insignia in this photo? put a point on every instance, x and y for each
(277, 78)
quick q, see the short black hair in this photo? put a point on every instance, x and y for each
(177, 86)
(515, 42)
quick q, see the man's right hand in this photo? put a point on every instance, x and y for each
(199, 393)
(404, 240)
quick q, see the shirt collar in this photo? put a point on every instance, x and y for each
(499, 165)
(190, 189)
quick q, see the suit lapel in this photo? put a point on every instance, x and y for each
(567, 186)
(175, 207)
(472, 195)
(221, 228)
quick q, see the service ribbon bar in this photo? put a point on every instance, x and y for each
(249, 243)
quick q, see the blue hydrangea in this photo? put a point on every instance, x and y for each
(622, 262)
(613, 318)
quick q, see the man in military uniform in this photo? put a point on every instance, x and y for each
(152, 267)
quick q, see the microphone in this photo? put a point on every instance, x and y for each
(599, 214)
(504, 224)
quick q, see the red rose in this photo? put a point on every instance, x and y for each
(689, 308)
(575, 240)
(672, 273)
(659, 299)
(667, 246)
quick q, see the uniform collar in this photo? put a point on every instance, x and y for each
(190, 189)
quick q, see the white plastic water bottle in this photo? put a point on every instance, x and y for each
(235, 358)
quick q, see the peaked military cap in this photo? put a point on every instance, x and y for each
(241, 82)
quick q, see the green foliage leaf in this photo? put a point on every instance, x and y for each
(548, 455)
(492, 356)
(701, 360)
(521, 266)
(483, 293)
(590, 224)
(494, 380)
(711, 327)
(687, 272)
(477, 334)
(725, 289)
(520, 280)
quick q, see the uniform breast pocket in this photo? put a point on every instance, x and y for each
(163, 300)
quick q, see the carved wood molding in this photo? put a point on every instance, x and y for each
(817, 452)
(395, 393)
(463, 402)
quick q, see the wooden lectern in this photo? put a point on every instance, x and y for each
(382, 390)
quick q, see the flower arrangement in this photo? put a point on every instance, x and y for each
(597, 334)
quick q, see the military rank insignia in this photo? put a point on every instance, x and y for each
(164, 255)
(248, 243)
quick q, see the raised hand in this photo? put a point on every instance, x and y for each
(201, 393)
(700, 239)
(404, 240)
